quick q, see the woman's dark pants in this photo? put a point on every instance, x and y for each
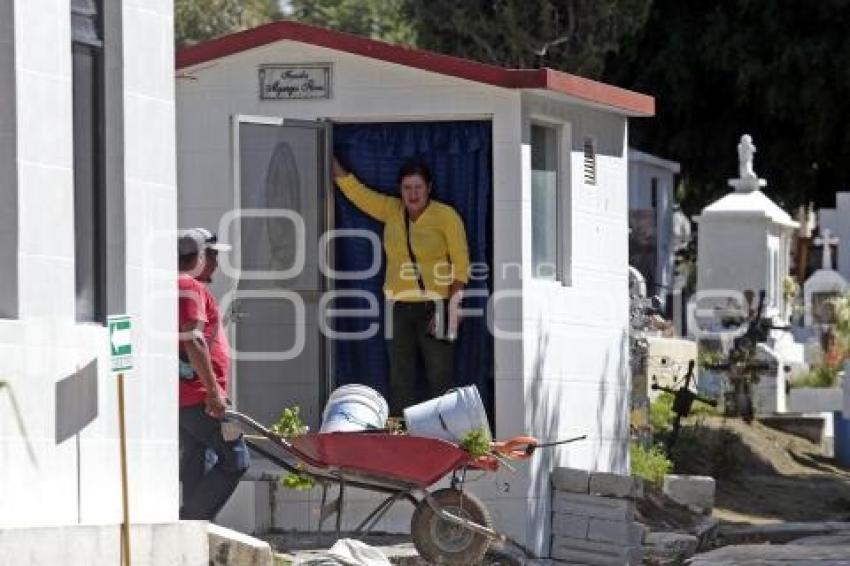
(409, 340)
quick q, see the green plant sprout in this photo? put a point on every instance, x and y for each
(288, 425)
(476, 442)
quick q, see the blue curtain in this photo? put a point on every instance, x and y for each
(459, 154)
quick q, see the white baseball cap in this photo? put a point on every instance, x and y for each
(193, 240)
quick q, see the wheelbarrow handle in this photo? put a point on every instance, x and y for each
(531, 448)
(517, 448)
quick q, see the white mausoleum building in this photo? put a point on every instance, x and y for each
(87, 221)
(553, 234)
(745, 240)
(652, 200)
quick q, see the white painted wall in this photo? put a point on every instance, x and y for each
(641, 174)
(77, 481)
(575, 367)
(732, 254)
(567, 375)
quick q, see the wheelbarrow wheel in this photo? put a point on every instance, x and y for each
(442, 542)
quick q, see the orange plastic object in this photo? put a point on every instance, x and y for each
(517, 448)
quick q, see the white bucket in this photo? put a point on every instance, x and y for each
(352, 408)
(449, 417)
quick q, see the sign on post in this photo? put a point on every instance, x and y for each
(121, 358)
(120, 343)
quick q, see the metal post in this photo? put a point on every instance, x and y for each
(122, 434)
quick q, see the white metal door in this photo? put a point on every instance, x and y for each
(282, 207)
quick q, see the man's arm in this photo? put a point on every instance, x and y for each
(199, 357)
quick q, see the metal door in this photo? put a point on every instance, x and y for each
(281, 209)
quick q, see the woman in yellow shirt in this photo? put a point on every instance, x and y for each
(427, 269)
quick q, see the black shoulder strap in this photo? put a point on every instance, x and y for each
(410, 251)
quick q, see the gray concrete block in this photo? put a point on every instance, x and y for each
(592, 506)
(573, 526)
(615, 485)
(695, 491)
(595, 553)
(669, 548)
(232, 548)
(626, 533)
(571, 479)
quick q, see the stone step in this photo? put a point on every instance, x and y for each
(595, 553)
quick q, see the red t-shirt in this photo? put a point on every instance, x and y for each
(197, 304)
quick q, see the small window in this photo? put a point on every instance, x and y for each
(8, 167)
(89, 159)
(545, 262)
(589, 161)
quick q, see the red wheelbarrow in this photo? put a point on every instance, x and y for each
(449, 526)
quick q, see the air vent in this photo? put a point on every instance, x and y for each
(589, 161)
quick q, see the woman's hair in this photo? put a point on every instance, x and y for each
(415, 167)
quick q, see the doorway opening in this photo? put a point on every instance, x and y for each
(284, 355)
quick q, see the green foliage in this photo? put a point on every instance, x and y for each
(709, 358)
(298, 482)
(790, 288)
(476, 442)
(700, 409)
(818, 376)
(387, 20)
(289, 424)
(650, 464)
(661, 413)
(715, 76)
(199, 20)
(574, 35)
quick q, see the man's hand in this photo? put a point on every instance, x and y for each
(215, 405)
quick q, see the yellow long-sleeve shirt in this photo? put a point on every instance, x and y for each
(438, 239)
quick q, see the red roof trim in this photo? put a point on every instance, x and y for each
(548, 79)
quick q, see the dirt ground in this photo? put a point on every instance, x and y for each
(769, 476)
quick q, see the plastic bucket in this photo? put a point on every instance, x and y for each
(449, 417)
(353, 408)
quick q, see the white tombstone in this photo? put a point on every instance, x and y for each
(770, 390)
(745, 239)
(837, 221)
(823, 285)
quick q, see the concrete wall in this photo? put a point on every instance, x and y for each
(575, 369)
(46, 480)
(567, 375)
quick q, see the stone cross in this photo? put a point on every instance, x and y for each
(838, 221)
(826, 241)
(746, 150)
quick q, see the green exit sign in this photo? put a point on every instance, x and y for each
(120, 342)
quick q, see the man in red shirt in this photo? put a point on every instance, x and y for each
(205, 361)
